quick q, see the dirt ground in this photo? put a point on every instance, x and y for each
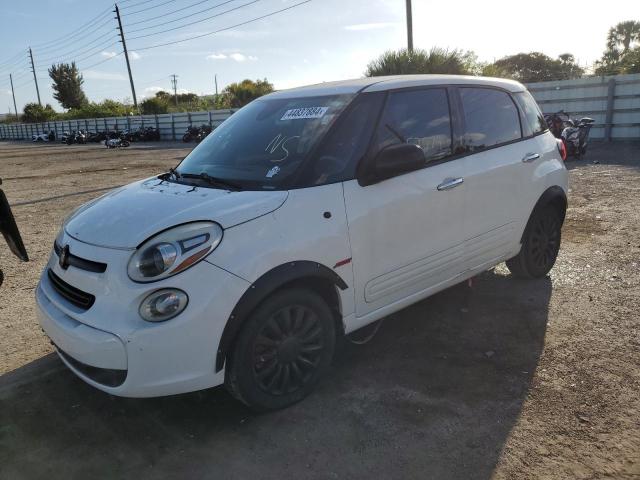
(508, 379)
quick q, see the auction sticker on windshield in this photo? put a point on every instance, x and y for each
(306, 112)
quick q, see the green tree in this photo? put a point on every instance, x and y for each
(239, 94)
(154, 105)
(34, 113)
(67, 85)
(537, 67)
(623, 34)
(436, 60)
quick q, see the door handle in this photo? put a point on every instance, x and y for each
(530, 157)
(450, 183)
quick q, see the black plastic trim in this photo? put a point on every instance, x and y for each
(70, 293)
(263, 287)
(81, 263)
(104, 376)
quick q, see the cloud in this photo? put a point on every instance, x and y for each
(236, 57)
(97, 75)
(358, 27)
(134, 55)
(108, 54)
(153, 90)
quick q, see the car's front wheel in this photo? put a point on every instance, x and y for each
(282, 351)
(540, 245)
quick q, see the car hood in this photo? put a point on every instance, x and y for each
(127, 216)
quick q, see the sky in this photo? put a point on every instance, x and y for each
(321, 40)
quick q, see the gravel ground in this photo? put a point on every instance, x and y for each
(508, 379)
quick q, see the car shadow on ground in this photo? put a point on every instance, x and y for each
(433, 395)
(625, 153)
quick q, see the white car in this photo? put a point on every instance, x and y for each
(308, 214)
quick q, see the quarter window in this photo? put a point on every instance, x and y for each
(490, 118)
(533, 122)
(420, 117)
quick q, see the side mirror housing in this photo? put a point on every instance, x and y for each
(392, 161)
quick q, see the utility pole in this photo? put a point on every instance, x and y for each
(15, 109)
(35, 79)
(215, 77)
(126, 56)
(174, 83)
(409, 28)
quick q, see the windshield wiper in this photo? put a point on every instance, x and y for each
(214, 181)
(171, 173)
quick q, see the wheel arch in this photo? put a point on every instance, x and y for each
(313, 275)
(554, 196)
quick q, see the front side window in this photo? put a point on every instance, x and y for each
(490, 118)
(420, 117)
(533, 122)
(263, 144)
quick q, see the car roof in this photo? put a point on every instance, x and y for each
(378, 84)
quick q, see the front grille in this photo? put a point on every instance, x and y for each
(105, 376)
(82, 263)
(72, 294)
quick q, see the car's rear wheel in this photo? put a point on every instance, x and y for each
(282, 351)
(540, 246)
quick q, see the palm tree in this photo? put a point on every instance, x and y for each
(437, 60)
(623, 34)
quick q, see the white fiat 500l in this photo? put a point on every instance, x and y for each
(308, 214)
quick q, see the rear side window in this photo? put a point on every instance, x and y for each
(420, 117)
(533, 121)
(490, 118)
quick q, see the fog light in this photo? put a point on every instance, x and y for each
(163, 304)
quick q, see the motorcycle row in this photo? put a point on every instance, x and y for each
(197, 134)
(573, 133)
(112, 138)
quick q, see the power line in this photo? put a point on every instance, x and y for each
(182, 18)
(149, 8)
(66, 37)
(290, 7)
(197, 21)
(73, 54)
(167, 14)
(102, 61)
(69, 44)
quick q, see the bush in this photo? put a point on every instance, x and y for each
(35, 113)
(154, 105)
(436, 60)
(106, 108)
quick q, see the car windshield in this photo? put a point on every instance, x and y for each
(263, 144)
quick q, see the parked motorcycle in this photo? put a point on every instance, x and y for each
(10, 231)
(204, 131)
(573, 133)
(191, 134)
(96, 137)
(117, 141)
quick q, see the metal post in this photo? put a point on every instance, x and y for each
(611, 89)
(409, 28)
(126, 56)
(174, 83)
(15, 109)
(173, 129)
(35, 79)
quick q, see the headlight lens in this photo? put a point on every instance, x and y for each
(173, 251)
(163, 304)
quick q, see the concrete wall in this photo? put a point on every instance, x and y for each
(171, 125)
(613, 102)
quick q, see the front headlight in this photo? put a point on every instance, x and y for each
(173, 251)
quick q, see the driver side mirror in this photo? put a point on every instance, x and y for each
(394, 160)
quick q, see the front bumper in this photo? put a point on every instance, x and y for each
(110, 347)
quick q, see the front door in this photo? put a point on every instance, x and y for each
(405, 231)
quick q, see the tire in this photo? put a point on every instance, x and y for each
(284, 348)
(186, 138)
(540, 246)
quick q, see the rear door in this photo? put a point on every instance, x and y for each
(494, 172)
(405, 231)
